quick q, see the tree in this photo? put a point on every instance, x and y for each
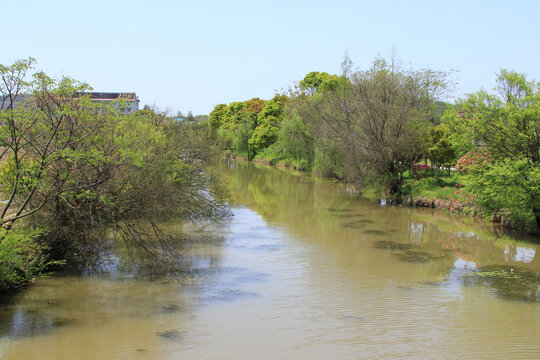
(76, 170)
(295, 139)
(317, 81)
(190, 117)
(375, 124)
(44, 140)
(507, 125)
(440, 151)
(217, 116)
(57, 150)
(248, 126)
(268, 121)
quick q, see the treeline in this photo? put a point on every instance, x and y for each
(79, 179)
(370, 127)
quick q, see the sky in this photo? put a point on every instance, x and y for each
(193, 55)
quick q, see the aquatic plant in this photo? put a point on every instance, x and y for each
(508, 282)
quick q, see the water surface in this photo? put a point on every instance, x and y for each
(306, 270)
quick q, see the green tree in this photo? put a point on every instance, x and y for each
(376, 123)
(440, 151)
(295, 139)
(507, 125)
(317, 81)
(43, 138)
(508, 187)
(76, 170)
(217, 116)
(268, 121)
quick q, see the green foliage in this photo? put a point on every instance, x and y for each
(217, 116)
(371, 127)
(248, 127)
(317, 81)
(268, 120)
(81, 169)
(295, 139)
(241, 137)
(265, 134)
(22, 258)
(440, 150)
(506, 127)
(508, 187)
(329, 159)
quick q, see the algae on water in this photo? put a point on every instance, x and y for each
(508, 282)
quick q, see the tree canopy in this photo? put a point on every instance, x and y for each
(507, 126)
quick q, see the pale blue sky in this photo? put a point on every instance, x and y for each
(193, 55)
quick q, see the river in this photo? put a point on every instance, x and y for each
(305, 269)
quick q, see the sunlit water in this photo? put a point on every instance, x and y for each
(306, 270)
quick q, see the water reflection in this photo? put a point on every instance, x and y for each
(117, 288)
(447, 244)
(29, 322)
(519, 254)
(304, 269)
(508, 282)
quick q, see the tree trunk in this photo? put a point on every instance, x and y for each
(536, 212)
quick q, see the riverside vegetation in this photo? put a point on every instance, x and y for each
(370, 127)
(79, 179)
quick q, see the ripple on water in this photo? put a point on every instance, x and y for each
(269, 247)
(228, 295)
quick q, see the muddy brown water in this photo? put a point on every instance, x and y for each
(306, 269)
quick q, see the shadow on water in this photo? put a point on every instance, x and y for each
(507, 282)
(171, 335)
(378, 232)
(392, 245)
(358, 224)
(416, 256)
(336, 210)
(405, 252)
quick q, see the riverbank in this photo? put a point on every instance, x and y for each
(260, 160)
(265, 275)
(450, 196)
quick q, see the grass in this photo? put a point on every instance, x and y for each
(451, 188)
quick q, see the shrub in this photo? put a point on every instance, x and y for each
(474, 159)
(22, 258)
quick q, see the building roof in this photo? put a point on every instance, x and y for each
(113, 96)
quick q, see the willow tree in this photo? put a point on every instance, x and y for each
(377, 121)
